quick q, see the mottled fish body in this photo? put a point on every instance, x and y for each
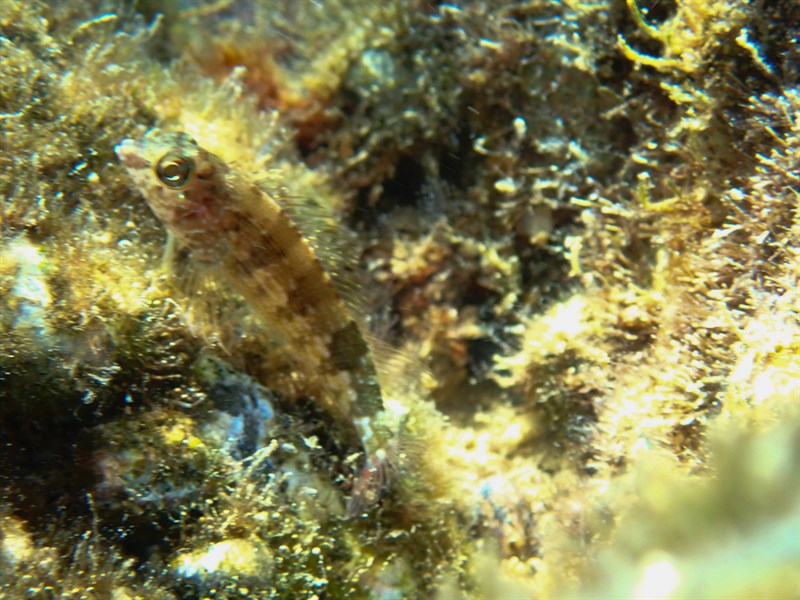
(223, 218)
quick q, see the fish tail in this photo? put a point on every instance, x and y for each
(370, 485)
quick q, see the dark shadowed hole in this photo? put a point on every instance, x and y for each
(481, 354)
(657, 12)
(403, 189)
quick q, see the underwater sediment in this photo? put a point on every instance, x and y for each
(564, 233)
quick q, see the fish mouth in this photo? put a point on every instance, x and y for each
(129, 153)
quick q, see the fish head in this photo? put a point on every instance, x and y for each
(184, 185)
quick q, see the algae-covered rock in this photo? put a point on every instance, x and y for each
(567, 233)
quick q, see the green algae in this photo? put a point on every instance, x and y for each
(582, 217)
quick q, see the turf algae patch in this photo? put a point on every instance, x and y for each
(580, 216)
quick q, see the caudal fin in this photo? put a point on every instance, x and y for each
(371, 484)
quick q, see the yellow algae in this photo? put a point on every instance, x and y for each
(578, 220)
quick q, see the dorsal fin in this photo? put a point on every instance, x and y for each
(401, 374)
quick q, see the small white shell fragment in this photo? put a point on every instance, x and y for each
(226, 559)
(520, 127)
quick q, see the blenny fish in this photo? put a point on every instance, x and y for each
(225, 219)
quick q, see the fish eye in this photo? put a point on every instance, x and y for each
(174, 170)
